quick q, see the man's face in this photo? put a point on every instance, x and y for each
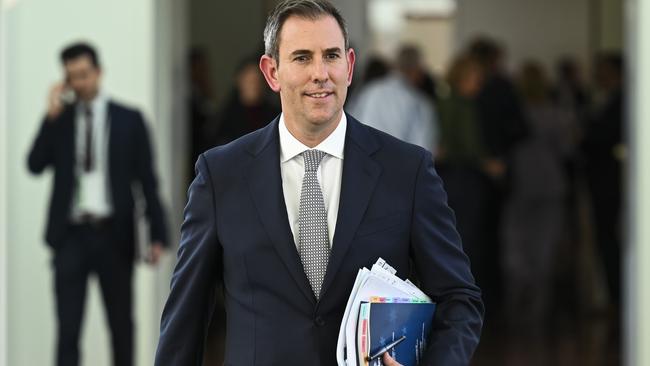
(470, 83)
(313, 72)
(83, 77)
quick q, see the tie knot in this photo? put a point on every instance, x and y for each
(312, 159)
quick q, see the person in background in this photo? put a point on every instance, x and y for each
(502, 126)
(427, 85)
(462, 159)
(535, 210)
(247, 108)
(570, 92)
(202, 107)
(376, 68)
(395, 105)
(604, 151)
(499, 106)
(571, 97)
(97, 149)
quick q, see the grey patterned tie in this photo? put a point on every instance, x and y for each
(313, 238)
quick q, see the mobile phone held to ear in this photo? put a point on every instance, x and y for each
(68, 96)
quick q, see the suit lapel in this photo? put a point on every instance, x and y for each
(360, 175)
(265, 184)
(113, 129)
(71, 136)
(70, 149)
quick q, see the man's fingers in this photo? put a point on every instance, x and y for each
(54, 104)
(55, 92)
(155, 252)
(389, 361)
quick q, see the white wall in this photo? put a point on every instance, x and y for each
(426, 24)
(3, 194)
(611, 26)
(33, 33)
(355, 14)
(543, 30)
(636, 254)
(171, 95)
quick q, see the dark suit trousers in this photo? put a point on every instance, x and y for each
(88, 249)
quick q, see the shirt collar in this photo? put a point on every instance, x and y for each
(333, 145)
(100, 101)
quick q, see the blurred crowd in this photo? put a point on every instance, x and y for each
(248, 106)
(531, 160)
(532, 164)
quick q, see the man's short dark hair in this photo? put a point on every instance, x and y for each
(486, 50)
(409, 57)
(309, 9)
(612, 60)
(77, 50)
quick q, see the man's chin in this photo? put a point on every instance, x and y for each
(323, 119)
(87, 96)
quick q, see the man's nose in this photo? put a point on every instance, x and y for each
(320, 73)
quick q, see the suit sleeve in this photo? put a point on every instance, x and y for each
(42, 153)
(149, 183)
(187, 312)
(444, 273)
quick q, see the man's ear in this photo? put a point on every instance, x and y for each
(351, 58)
(269, 68)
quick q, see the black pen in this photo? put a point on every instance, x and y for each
(386, 348)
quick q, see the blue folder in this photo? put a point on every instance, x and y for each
(388, 321)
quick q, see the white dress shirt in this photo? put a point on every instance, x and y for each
(92, 195)
(329, 173)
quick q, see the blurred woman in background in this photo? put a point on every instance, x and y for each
(534, 210)
(248, 108)
(461, 159)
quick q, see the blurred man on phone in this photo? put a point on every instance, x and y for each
(97, 150)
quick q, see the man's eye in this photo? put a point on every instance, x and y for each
(301, 58)
(332, 56)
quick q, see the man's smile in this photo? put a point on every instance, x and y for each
(319, 95)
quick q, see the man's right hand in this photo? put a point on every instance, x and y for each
(389, 361)
(54, 103)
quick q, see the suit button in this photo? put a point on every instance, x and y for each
(319, 321)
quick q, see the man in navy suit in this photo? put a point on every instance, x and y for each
(98, 149)
(260, 207)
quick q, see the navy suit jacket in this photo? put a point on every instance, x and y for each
(129, 161)
(236, 231)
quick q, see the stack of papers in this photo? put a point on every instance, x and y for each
(377, 285)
